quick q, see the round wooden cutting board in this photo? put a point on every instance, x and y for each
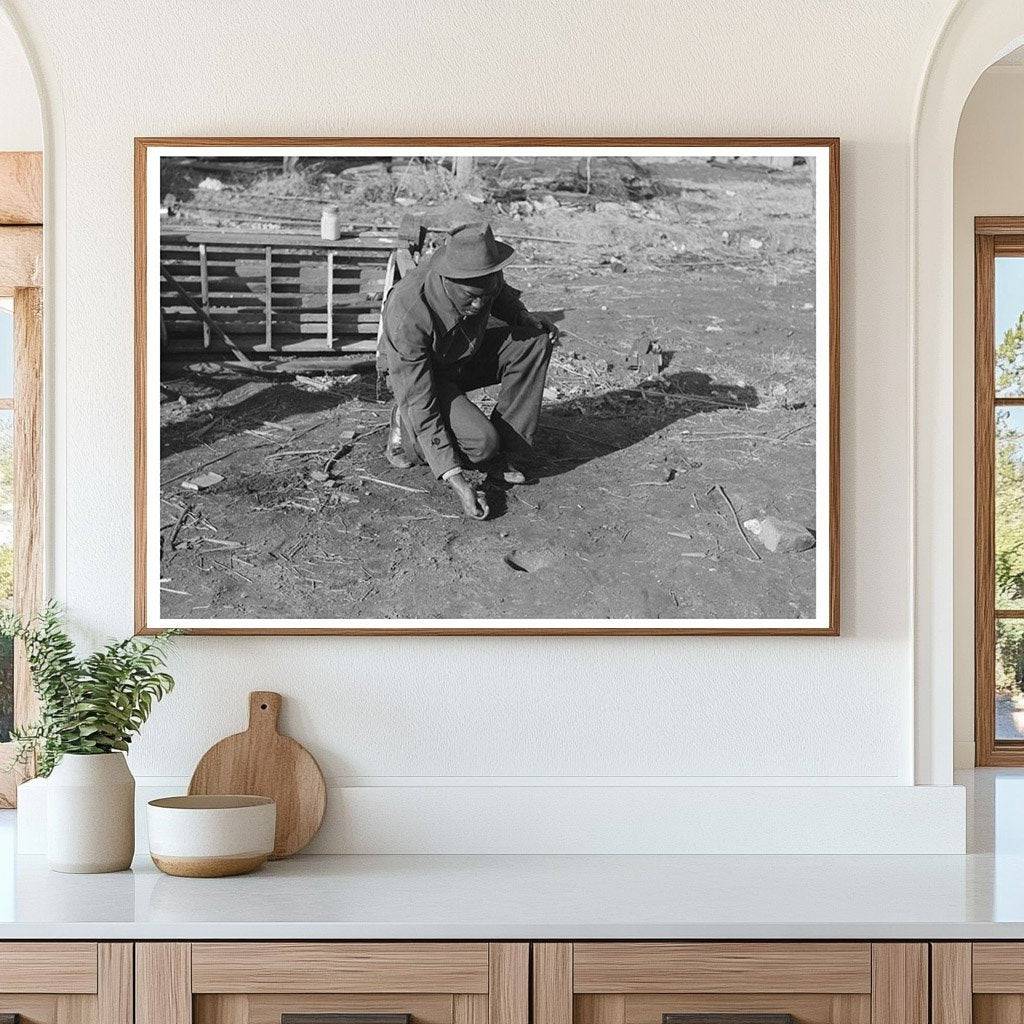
(262, 762)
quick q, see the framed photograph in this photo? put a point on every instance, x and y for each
(487, 386)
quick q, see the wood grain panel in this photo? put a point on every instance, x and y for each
(163, 983)
(851, 1009)
(469, 1008)
(21, 258)
(756, 967)
(76, 1009)
(115, 984)
(48, 967)
(21, 188)
(998, 1009)
(226, 1009)
(807, 1009)
(339, 967)
(998, 967)
(552, 983)
(599, 1009)
(951, 983)
(899, 990)
(508, 990)
(267, 1009)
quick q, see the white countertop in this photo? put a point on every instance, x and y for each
(532, 897)
(978, 896)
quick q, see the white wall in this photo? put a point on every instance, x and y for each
(445, 713)
(988, 181)
(21, 124)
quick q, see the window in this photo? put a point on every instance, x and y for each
(999, 490)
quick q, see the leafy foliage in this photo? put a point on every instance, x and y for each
(90, 705)
(1009, 510)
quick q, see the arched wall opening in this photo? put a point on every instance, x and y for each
(976, 34)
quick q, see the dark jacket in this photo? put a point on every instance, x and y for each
(424, 336)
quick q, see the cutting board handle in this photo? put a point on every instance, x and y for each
(264, 710)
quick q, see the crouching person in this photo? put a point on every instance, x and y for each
(438, 347)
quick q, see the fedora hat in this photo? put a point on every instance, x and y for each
(471, 250)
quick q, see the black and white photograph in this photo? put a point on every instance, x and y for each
(461, 387)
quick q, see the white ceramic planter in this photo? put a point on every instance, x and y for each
(90, 814)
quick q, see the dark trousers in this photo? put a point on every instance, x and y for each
(516, 361)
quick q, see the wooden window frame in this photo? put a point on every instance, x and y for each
(21, 268)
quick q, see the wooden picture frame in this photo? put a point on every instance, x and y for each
(826, 621)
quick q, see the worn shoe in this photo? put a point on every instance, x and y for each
(394, 449)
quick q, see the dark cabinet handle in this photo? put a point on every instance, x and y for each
(728, 1018)
(338, 1018)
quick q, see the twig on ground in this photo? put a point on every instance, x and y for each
(736, 520)
(298, 451)
(400, 487)
(177, 528)
(210, 462)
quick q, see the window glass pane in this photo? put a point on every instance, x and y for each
(6, 349)
(6, 567)
(1009, 534)
(1009, 679)
(1009, 324)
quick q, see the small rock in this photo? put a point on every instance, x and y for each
(755, 243)
(552, 394)
(319, 475)
(202, 482)
(780, 536)
(713, 329)
(347, 435)
(211, 184)
(668, 474)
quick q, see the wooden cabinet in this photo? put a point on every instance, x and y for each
(259, 982)
(66, 982)
(815, 982)
(979, 982)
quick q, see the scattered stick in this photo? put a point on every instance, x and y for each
(298, 451)
(210, 462)
(177, 528)
(683, 536)
(400, 487)
(736, 520)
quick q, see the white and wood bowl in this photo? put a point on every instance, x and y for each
(211, 836)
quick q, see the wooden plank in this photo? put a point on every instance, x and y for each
(509, 983)
(552, 983)
(115, 1002)
(851, 1009)
(204, 287)
(268, 299)
(330, 298)
(278, 239)
(21, 188)
(340, 967)
(899, 983)
(66, 967)
(721, 967)
(998, 967)
(226, 1009)
(163, 983)
(467, 1008)
(76, 1009)
(21, 258)
(951, 983)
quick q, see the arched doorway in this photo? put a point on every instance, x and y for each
(975, 35)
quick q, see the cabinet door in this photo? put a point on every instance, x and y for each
(980, 982)
(66, 982)
(737, 982)
(306, 982)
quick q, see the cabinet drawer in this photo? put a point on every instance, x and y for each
(48, 967)
(735, 982)
(261, 982)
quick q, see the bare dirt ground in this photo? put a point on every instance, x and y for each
(642, 478)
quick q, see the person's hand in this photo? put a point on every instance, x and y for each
(474, 504)
(541, 325)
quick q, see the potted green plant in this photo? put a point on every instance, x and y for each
(89, 710)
